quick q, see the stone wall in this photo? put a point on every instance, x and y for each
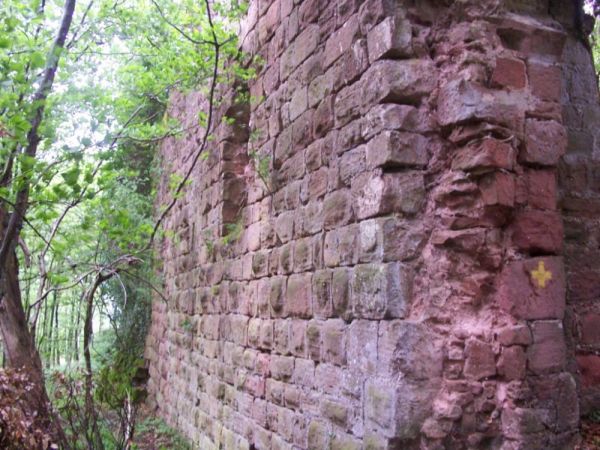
(397, 280)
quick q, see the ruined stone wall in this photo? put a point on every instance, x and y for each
(580, 203)
(397, 279)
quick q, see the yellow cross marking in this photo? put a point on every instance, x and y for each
(541, 275)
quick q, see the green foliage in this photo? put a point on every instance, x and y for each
(115, 381)
(262, 165)
(93, 180)
(165, 437)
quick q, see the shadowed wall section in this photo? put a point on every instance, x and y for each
(397, 279)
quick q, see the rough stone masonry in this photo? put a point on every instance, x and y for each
(420, 266)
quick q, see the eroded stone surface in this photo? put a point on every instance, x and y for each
(399, 279)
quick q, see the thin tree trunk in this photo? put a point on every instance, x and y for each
(76, 334)
(87, 339)
(56, 341)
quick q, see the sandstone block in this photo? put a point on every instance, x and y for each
(396, 149)
(480, 361)
(340, 294)
(277, 296)
(341, 41)
(318, 435)
(378, 194)
(526, 292)
(512, 363)
(408, 348)
(589, 366)
(298, 296)
(341, 246)
(498, 189)
(297, 338)
(515, 335)
(545, 81)
(548, 352)
(538, 231)
(397, 409)
(389, 117)
(509, 73)
(381, 290)
(541, 189)
(362, 346)
(299, 50)
(398, 81)
(517, 422)
(392, 38)
(321, 291)
(461, 101)
(488, 155)
(374, 11)
(313, 340)
(337, 209)
(546, 142)
(334, 342)
(590, 329)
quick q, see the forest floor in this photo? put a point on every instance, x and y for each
(153, 434)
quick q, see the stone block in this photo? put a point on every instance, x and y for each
(548, 352)
(318, 435)
(372, 12)
(341, 41)
(337, 209)
(297, 338)
(486, 155)
(341, 247)
(533, 289)
(590, 329)
(381, 290)
(362, 346)
(392, 149)
(340, 294)
(397, 408)
(509, 73)
(541, 189)
(321, 291)
(392, 38)
(480, 361)
(545, 81)
(336, 412)
(546, 142)
(333, 335)
(538, 231)
(462, 101)
(390, 117)
(398, 81)
(408, 348)
(298, 296)
(277, 296)
(323, 119)
(313, 340)
(378, 194)
(498, 189)
(296, 53)
(515, 335)
(589, 367)
(517, 422)
(512, 363)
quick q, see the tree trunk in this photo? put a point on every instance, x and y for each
(19, 348)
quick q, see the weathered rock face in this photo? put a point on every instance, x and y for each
(406, 277)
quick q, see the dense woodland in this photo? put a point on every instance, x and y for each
(83, 106)
(84, 92)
